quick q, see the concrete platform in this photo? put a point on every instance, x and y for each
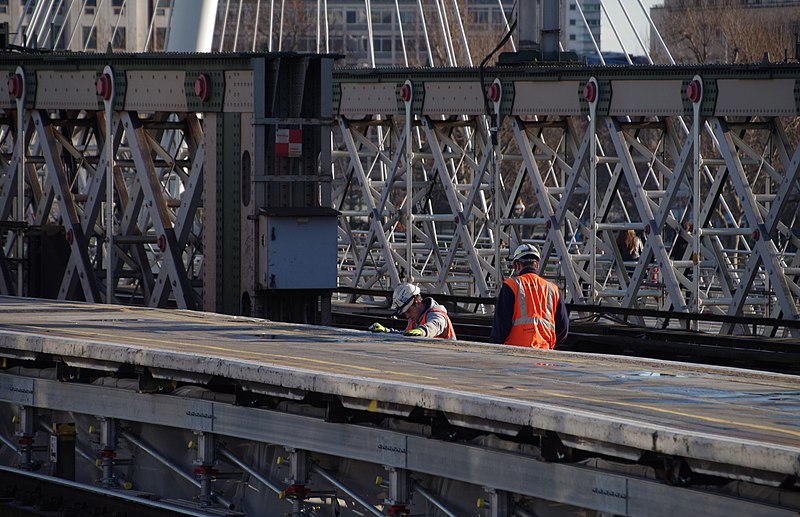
(724, 416)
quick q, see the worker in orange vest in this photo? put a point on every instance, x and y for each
(529, 310)
(426, 318)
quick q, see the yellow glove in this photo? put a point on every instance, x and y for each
(377, 327)
(415, 332)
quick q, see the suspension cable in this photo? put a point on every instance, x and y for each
(463, 33)
(589, 30)
(255, 25)
(52, 24)
(63, 26)
(116, 25)
(616, 34)
(93, 27)
(238, 23)
(400, 28)
(371, 43)
(224, 24)
(636, 32)
(425, 32)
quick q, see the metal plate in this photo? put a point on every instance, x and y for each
(546, 98)
(156, 91)
(238, 91)
(361, 99)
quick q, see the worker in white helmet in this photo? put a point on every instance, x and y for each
(529, 311)
(426, 318)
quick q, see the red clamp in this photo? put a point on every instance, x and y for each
(397, 509)
(205, 470)
(26, 440)
(297, 491)
(108, 453)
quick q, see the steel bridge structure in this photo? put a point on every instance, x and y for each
(427, 169)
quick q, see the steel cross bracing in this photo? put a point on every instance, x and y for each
(584, 160)
(632, 165)
(159, 158)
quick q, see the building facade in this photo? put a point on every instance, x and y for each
(90, 25)
(574, 34)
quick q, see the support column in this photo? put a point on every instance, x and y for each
(205, 461)
(26, 434)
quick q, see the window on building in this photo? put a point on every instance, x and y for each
(30, 7)
(383, 43)
(382, 16)
(89, 6)
(356, 16)
(161, 7)
(119, 41)
(479, 16)
(61, 44)
(335, 19)
(117, 5)
(572, 21)
(408, 16)
(160, 39)
(572, 37)
(89, 38)
(3, 6)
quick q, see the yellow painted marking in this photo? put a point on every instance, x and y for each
(373, 406)
(677, 413)
(234, 352)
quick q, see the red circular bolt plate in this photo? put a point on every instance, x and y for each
(694, 91)
(494, 92)
(104, 86)
(590, 92)
(202, 88)
(405, 92)
(15, 86)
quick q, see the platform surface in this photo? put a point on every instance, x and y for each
(729, 416)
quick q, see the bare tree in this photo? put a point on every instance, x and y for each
(725, 31)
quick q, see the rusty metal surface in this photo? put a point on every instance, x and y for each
(730, 416)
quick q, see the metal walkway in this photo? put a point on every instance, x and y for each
(732, 424)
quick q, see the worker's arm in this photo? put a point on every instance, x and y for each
(436, 324)
(503, 314)
(562, 321)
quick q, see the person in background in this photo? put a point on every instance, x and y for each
(426, 318)
(529, 311)
(630, 245)
(681, 242)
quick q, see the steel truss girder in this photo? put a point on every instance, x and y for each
(499, 470)
(646, 164)
(158, 191)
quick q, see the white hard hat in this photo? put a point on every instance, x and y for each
(403, 297)
(526, 252)
(519, 206)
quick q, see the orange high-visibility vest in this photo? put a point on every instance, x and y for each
(448, 333)
(534, 320)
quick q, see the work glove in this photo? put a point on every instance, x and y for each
(377, 327)
(415, 332)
